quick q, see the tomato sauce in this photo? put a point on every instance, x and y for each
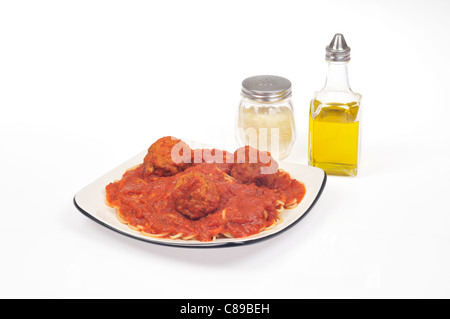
(146, 203)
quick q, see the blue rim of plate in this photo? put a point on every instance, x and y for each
(224, 245)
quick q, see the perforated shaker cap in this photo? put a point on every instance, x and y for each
(338, 50)
(266, 88)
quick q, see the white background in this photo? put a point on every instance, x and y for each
(86, 85)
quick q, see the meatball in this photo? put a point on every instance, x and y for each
(167, 156)
(194, 195)
(253, 166)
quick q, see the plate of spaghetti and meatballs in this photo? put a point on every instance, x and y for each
(176, 195)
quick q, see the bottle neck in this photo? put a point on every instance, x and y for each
(337, 77)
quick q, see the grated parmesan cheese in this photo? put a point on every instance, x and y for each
(268, 128)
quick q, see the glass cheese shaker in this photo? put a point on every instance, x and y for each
(265, 118)
(334, 119)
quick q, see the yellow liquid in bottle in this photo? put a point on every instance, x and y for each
(334, 137)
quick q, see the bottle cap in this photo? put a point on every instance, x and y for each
(266, 88)
(338, 50)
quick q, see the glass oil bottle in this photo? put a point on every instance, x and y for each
(334, 119)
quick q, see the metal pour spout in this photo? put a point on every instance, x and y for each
(338, 50)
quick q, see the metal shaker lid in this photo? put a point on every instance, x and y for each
(266, 88)
(338, 50)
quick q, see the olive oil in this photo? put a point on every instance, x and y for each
(334, 137)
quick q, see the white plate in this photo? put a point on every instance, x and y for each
(91, 202)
